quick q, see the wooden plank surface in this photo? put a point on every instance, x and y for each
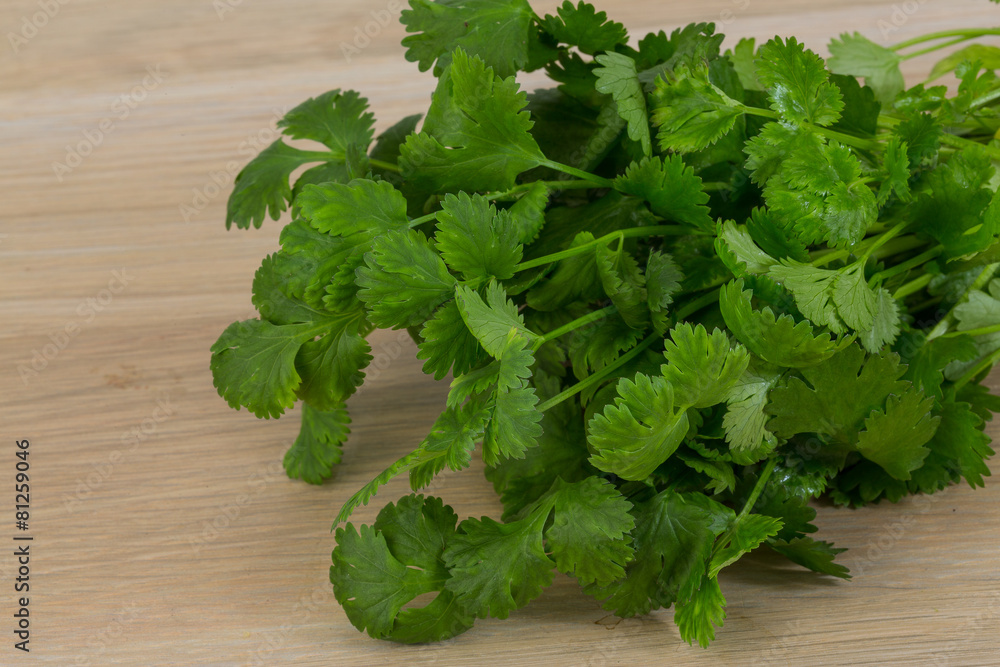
(165, 531)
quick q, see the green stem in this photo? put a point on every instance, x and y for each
(984, 277)
(962, 142)
(883, 239)
(935, 47)
(981, 331)
(966, 33)
(696, 305)
(985, 363)
(575, 324)
(600, 375)
(381, 164)
(985, 99)
(631, 232)
(913, 286)
(903, 267)
(857, 142)
(579, 173)
(758, 488)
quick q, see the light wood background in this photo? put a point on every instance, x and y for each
(127, 568)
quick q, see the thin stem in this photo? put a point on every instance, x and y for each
(903, 267)
(883, 239)
(935, 47)
(984, 277)
(962, 142)
(575, 324)
(416, 222)
(857, 142)
(579, 173)
(632, 232)
(985, 363)
(913, 286)
(967, 33)
(696, 305)
(985, 99)
(382, 164)
(758, 488)
(600, 375)
(981, 331)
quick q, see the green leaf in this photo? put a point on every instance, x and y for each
(318, 447)
(589, 535)
(798, 83)
(745, 421)
(490, 321)
(960, 437)
(663, 282)
(624, 284)
(779, 341)
(672, 189)
(813, 291)
(498, 567)
(262, 187)
(695, 617)
(334, 119)
(737, 248)
(497, 31)
(488, 143)
(382, 568)
(331, 367)
(475, 240)
(895, 438)
(691, 112)
(989, 56)
(859, 56)
(885, 323)
(364, 207)
(527, 215)
(639, 431)
(812, 554)
(617, 77)
(673, 539)
(895, 171)
(749, 533)
(584, 27)
(403, 280)
(448, 345)
(308, 262)
(702, 367)
(456, 432)
(514, 425)
(253, 365)
(842, 392)
(856, 302)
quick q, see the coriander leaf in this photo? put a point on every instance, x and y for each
(811, 554)
(696, 616)
(448, 345)
(387, 144)
(926, 365)
(253, 365)
(575, 279)
(497, 31)
(272, 293)
(498, 567)
(856, 302)
(922, 135)
(749, 533)
(885, 324)
(701, 367)
(262, 187)
(624, 284)
(776, 143)
(673, 538)
(308, 262)
(456, 432)
(778, 341)
(513, 427)
(527, 215)
(895, 171)
(383, 567)
(736, 247)
(584, 27)
(490, 321)
(798, 83)
(362, 207)
(589, 536)
(960, 437)
(989, 56)
(813, 291)
(980, 309)
(617, 77)
(639, 431)
(745, 421)
(663, 282)
(742, 57)
(841, 393)
(859, 56)
(597, 345)
(895, 439)
(719, 473)
(773, 239)
(334, 119)
(861, 109)
(475, 240)
(403, 280)
(330, 366)
(672, 189)
(317, 448)
(691, 112)
(489, 143)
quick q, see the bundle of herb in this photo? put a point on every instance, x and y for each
(681, 293)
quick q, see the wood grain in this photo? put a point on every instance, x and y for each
(185, 544)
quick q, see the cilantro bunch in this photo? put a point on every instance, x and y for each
(680, 293)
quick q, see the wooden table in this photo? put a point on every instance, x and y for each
(165, 531)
